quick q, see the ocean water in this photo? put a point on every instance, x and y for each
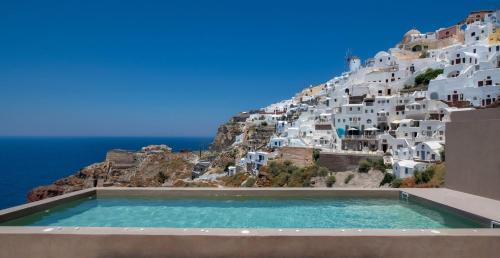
(27, 162)
(239, 212)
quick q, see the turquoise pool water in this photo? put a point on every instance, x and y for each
(246, 213)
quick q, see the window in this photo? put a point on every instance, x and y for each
(480, 83)
(433, 156)
(473, 34)
(474, 50)
(406, 171)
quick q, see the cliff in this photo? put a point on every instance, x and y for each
(153, 166)
(226, 136)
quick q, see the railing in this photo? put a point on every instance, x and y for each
(361, 137)
(382, 119)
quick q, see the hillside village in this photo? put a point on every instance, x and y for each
(378, 123)
(393, 106)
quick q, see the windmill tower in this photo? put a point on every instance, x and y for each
(353, 63)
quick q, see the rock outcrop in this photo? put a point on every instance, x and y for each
(153, 166)
(226, 136)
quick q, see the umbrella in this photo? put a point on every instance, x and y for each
(352, 129)
(371, 129)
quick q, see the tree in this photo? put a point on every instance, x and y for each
(330, 181)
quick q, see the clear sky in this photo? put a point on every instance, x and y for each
(181, 68)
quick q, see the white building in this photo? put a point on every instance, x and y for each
(428, 151)
(407, 168)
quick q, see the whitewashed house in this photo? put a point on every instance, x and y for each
(406, 168)
(428, 151)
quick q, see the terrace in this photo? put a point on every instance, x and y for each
(83, 241)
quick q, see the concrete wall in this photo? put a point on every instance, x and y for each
(349, 245)
(473, 152)
(338, 162)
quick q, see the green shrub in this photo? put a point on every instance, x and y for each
(284, 173)
(348, 178)
(330, 181)
(378, 164)
(280, 180)
(367, 164)
(425, 176)
(322, 171)
(427, 76)
(364, 166)
(250, 182)
(388, 178)
(316, 153)
(396, 183)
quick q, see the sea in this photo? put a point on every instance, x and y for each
(28, 162)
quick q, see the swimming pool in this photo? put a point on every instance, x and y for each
(245, 212)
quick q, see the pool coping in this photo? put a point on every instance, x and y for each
(442, 197)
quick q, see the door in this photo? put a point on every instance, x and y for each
(422, 155)
(455, 97)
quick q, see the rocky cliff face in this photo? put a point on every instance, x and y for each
(226, 136)
(152, 167)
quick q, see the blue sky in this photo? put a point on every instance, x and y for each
(181, 68)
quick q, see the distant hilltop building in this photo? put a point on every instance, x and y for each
(480, 16)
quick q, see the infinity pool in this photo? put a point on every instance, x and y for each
(245, 212)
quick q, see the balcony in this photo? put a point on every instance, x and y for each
(361, 137)
(382, 119)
